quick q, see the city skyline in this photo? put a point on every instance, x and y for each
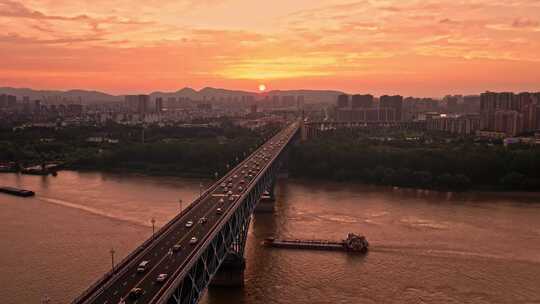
(413, 48)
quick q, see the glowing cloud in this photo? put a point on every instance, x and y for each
(407, 46)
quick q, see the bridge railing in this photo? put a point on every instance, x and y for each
(182, 271)
(121, 267)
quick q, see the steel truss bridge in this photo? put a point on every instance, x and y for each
(211, 250)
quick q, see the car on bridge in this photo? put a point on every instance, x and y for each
(189, 224)
(142, 266)
(203, 220)
(136, 293)
(162, 277)
(219, 211)
(193, 241)
(176, 247)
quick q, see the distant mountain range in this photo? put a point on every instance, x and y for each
(93, 97)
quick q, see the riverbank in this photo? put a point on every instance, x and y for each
(158, 172)
(471, 189)
(165, 171)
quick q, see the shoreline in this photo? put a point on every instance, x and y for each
(191, 175)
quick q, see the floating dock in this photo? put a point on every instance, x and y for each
(16, 191)
(353, 243)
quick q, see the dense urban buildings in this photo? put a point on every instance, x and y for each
(510, 113)
(143, 109)
(363, 108)
(488, 114)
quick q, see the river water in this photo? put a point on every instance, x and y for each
(426, 247)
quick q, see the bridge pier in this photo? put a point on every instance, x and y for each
(267, 201)
(231, 272)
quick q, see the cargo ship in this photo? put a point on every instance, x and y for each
(16, 191)
(353, 243)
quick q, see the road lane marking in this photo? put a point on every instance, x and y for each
(200, 208)
(192, 231)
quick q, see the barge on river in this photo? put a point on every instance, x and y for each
(353, 243)
(16, 191)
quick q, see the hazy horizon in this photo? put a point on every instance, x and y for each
(172, 91)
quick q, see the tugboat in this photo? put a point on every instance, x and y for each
(357, 243)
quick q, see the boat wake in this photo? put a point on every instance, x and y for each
(93, 211)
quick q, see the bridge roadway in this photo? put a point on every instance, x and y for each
(158, 253)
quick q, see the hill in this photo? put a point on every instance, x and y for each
(93, 97)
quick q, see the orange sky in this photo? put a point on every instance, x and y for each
(420, 47)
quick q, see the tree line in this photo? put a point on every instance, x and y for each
(442, 166)
(173, 150)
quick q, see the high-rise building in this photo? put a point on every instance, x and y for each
(510, 113)
(37, 106)
(488, 106)
(509, 122)
(393, 102)
(288, 101)
(159, 104)
(362, 101)
(7, 101)
(471, 104)
(172, 103)
(138, 103)
(451, 104)
(457, 124)
(300, 101)
(275, 101)
(343, 101)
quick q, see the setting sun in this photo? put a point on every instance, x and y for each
(262, 88)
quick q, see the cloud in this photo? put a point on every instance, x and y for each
(14, 9)
(525, 23)
(14, 38)
(228, 41)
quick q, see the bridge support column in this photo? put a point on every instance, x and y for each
(284, 169)
(267, 200)
(231, 272)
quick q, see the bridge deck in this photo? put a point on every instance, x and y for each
(157, 252)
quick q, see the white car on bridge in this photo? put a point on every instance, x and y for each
(162, 277)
